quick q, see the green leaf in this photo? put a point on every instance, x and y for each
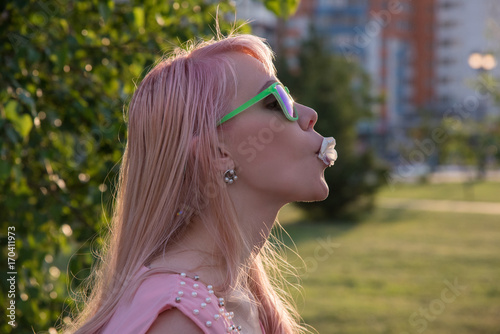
(24, 125)
(10, 110)
(4, 170)
(282, 8)
(62, 55)
(139, 17)
(104, 11)
(64, 25)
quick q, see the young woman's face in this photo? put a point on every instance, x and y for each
(275, 158)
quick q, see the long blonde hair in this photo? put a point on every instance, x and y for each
(168, 176)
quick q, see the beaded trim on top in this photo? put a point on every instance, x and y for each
(228, 316)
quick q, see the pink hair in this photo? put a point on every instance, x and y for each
(171, 149)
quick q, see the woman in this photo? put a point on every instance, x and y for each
(216, 146)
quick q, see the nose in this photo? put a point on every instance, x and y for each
(307, 117)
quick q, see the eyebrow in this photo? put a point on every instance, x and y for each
(267, 84)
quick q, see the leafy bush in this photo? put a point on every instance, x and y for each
(67, 70)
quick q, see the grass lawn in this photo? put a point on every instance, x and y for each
(392, 272)
(481, 191)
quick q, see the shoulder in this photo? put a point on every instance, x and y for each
(173, 321)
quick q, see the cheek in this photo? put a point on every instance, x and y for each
(264, 146)
(254, 142)
(278, 164)
(271, 157)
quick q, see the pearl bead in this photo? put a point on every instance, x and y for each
(226, 179)
(228, 316)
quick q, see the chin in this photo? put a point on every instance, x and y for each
(320, 193)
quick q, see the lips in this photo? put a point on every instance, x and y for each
(327, 152)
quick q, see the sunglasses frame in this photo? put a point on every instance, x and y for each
(266, 92)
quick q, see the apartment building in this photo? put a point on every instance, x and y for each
(417, 52)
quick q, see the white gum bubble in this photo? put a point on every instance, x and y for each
(328, 154)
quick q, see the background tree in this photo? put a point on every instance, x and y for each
(472, 136)
(339, 91)
(470, 143)
(68, 69)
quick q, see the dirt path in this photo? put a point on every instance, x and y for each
(440, 205)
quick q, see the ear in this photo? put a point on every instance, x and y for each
(224, 160)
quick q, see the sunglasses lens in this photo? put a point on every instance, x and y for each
(287, 100)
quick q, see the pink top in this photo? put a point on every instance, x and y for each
(163, 291)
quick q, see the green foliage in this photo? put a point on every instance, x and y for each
(282, 8)
(339, 92)
(67, 70)
(470, 142)
(473, 134)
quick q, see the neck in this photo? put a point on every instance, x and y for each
(256, 215)
(197, 251)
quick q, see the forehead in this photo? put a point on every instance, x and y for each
(250, 76)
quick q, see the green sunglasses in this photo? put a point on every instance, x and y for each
(281, 94)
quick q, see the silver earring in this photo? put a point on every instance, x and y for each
(230, 176)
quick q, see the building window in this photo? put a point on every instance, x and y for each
(450, 4)
(447, 42)
(449, 24)
(445, 80)
(445, 99)
(447, 61)
(337, 3)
